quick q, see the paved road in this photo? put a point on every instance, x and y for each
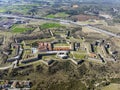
(61, 20)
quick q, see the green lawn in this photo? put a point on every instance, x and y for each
(50, 25)
(61, 44)
(50, 16)
(78, 55)
(49, 57)
(21, 30)
(18, 29)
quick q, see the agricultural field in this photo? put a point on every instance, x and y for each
(58, 15)
(21, 9)
(50, 25)
(21, 28)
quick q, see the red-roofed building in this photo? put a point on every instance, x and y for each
(44, 46)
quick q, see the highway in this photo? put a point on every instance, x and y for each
(61, 20)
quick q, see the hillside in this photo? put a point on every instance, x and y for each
(67, 76)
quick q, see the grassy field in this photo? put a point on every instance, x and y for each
(49, 57)
(61, 44)
(20, 29)
(114, 29)
(22, 9)
(72, 85)
(94, 22)
(88, 30)
(58, 15)
(78, 55)
(50, 25)
(75, 40)
(50, 16)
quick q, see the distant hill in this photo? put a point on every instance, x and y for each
(83, 0)
(109, 1)
(96, 1)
